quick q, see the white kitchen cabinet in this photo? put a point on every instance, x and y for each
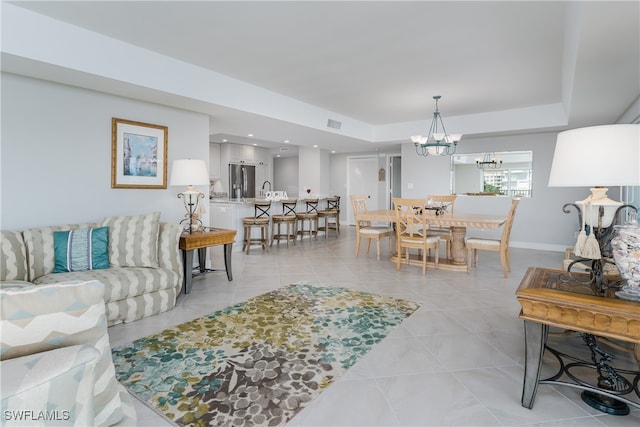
(231, 153)
(262, 168)
(223, 215)
(262, 156)
(249, 154)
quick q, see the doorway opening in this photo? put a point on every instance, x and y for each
(395, 178)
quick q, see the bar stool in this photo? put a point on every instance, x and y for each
(260, 219)
(309, 216)
(331, 216)
(288, 219)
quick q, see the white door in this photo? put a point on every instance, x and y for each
(362, 178)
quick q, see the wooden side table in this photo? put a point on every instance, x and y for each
(201, 241)
(555, 298)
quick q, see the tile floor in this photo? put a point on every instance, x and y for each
(457, 361)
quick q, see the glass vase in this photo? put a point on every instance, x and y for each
(626, 254)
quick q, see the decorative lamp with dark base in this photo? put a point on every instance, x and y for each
(597, 157)
(190, 172)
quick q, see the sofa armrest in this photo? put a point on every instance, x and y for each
(32, 385)
(13, 256)
(169, 255)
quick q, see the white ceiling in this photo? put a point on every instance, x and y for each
(376, 65)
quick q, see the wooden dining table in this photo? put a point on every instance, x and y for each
(458, 222)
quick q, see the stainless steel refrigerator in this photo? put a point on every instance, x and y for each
(242, 181)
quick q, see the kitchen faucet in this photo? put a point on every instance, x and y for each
(262, 193)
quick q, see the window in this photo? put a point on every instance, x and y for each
(508, 182)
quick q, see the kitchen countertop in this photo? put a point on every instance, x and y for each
(248, 201)
(234, 201)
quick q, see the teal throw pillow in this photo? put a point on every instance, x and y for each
(81, 249)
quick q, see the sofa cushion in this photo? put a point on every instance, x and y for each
(13, 256)
(133, 240)
(42, 318)
(81, 249)
(39, 243)
(119, 282)
(32, 385)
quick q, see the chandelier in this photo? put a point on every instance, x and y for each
(437, 142)
(489, 161)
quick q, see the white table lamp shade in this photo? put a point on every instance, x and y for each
(597, 157)
(189, 172)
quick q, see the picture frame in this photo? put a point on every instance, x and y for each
(138, 154)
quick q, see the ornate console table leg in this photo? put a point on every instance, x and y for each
(608, 379)
(535, 336)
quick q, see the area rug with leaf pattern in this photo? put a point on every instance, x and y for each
(258, 362)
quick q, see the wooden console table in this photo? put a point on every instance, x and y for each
(557, 298)
(201, 241)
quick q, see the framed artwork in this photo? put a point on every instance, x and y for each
(138, 155)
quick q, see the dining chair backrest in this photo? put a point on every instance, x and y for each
(411, 218)
(289, 207)
(359, 205)
(449, 200)
(311, 206)
(333, 203)
(411, 229)
(261, 209)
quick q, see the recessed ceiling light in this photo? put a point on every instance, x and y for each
(255, 145)
(277, 155)
(333, 151)
(224, 140)
(315, 145)
(250, 135)
(286, 141)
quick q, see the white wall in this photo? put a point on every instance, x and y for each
(285, 175)
(312, 169)
(56, 154)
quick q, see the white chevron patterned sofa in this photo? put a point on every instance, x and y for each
(136, 258)
(56, 366)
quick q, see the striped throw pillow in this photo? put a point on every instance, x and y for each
(81, 249)
(133, 240)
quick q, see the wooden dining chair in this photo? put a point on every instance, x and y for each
(412, 231)
(474, 244)
(444, 232)
(364, 229)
